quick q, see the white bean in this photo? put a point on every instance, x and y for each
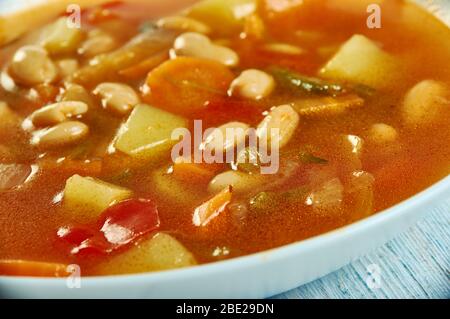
(284, 48)
(98, 42)
(381, 133)
(279, 124)
(67, 67)
(119, 98)
(58, 112)
(31, 65)
(253, 84)
(241, 182)
(200, 46)
(226, 137)
(75, 92)
(63, 134)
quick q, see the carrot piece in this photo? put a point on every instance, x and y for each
(84, 167)
(212, 208)
(141, 69)
(192, 171)
(189, 172)
(185, 84)
(10, 267)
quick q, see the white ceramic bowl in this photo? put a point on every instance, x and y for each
(255, 276)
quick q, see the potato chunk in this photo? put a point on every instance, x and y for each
(224, 16)
(425, 103)
(360, 60)
(59, 37)
(88, 197)
(162, 252)
(147, 132)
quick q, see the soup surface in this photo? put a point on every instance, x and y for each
(348, 110)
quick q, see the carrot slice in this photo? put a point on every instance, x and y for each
(86, 167)
(11, 267)
(212, 208)
(185, 84)
(189, 172)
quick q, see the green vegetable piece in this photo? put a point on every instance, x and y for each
(147, 26)
(309, 158)
(305, 84)
(264, 202)
(248, 161)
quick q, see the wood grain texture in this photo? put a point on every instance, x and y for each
(414, 265)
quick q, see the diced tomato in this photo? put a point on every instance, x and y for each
(118, 226)
(128, 220)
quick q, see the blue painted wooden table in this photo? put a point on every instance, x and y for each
(414, 265)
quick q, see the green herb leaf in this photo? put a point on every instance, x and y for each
(147, 26)
(309, 158)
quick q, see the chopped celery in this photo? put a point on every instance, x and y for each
(105, 67)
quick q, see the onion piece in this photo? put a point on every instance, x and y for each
(329, 196)
(15, 175)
